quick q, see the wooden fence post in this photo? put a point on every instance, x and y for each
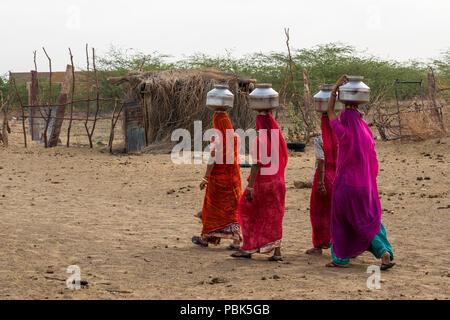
(61, 107)
(33, 100)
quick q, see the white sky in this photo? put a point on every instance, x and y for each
(398, 29)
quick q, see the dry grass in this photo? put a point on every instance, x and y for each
(421, 125)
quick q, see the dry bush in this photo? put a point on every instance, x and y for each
(421, 125)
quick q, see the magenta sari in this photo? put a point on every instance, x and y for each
(261, 219)
(356, 208)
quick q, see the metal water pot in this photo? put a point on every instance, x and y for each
(263, 97)
(219, 98)
(354, 92)
(322, 97)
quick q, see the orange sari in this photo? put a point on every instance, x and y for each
(220, 206)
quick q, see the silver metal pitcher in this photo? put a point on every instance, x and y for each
(263, 97)
(220, 98)
(354, 92)
(322, 97)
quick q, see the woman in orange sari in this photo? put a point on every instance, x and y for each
(223, 187)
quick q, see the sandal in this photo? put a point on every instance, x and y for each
(276, 258)
(386, 265)
(199, 241)
(241, 254)
(333, 264)
(232, 247)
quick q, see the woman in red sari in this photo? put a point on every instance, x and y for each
(223, 187)
(261, 208)
(320, 202)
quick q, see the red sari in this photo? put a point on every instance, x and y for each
(220, 206)
(320, 205)
(262, 218)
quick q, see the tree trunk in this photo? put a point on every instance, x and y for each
(61, 108)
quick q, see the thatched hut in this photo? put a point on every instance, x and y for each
(156, 103)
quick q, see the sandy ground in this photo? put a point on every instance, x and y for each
(112, 216)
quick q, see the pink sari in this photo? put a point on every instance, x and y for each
(261, 219)
(356, 208)
(320, 205)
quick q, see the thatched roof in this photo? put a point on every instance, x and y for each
(135, 77)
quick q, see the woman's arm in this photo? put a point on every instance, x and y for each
(321, 176)
(209, 169)
(251, 181)
(331, 114)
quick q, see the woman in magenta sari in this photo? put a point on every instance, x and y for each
(261, 208)
(356, 210)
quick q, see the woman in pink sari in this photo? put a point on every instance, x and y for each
(356, 210)
(261, 208)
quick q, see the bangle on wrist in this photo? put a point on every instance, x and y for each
(249, 188)
(205, 179)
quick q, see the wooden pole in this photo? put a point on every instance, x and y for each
(71, 99)
(307, 103)
(113, 124)
(97, 97)
(49, 111)
(33, 100)
(60, 109)
(88, 97)
(291, 74)
(41, 109)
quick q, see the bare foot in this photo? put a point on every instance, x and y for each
(314, 251)
(198, 215)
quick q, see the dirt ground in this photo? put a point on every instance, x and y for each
(115, 217)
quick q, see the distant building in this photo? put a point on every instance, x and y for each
(57, 76)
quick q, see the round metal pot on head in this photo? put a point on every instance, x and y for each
(354, 92)
(220, 98)
(322, 97)
(263, 98)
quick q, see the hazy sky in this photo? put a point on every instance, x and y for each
(398, 29)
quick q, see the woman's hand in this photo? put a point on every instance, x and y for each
(204, 183)
(331, 114)
(321, 188)
(248, 194)
(340, 82)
